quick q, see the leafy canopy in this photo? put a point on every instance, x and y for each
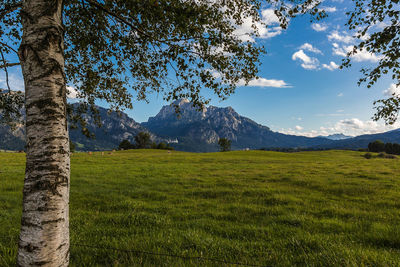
(116, 50)
(377, 25)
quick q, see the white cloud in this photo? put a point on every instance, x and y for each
(298, 128)
(340, 95)
(309, 47)
(332, 66)
(392, 90)
(262, 82)
(356, 126)
(16, 82)
(329, 9)
(340, 37)
(308, 63)
(364, 55)
(72, 93)
(360, 56)
(269, 17)
(319, 27)
(351, 127)
(269, 29)
(381, 25)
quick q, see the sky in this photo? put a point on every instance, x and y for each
(301, 90)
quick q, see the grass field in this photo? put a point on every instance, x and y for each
(331, 208)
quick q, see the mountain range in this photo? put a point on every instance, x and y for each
(196, 131)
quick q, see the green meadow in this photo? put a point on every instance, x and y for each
(146, 207)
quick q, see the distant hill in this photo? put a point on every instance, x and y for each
(336, 136)
(194, 131)
(115, 128)
(12, 139)
(200, 131)
(362, 141)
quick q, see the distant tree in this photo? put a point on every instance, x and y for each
(376, 146)
(389, 148)
(396, 149)
(143, 140)
(153, 145)
(125, 144)
(72, 147)
(162, 146)
(224, 144)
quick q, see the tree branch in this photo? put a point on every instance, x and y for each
(9, 47)
(126, 22)
(7, 65)
(5, 69)
(120, 18)
(10, 8)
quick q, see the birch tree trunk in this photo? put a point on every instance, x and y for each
(44, 236)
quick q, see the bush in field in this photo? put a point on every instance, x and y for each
(368, 155)
(224, 144)
(383, 155)
(125, 145)
(164, 146)
(376, 146)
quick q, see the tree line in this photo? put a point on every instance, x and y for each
(389, 148)
(142, 141)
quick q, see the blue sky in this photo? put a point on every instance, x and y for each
(301, 90)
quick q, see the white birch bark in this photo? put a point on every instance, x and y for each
(44, 236)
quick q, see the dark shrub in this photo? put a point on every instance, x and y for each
(383, 155)
(162, 146)
(125, 144)
(368, 155)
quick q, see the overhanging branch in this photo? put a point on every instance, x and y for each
(118, 17)
(7, 65)
(126, 22)
(5, 69)
(9, 47)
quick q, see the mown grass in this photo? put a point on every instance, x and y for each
(331, 208)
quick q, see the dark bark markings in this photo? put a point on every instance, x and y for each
(44, 237)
